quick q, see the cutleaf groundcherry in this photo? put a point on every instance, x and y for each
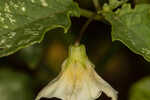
(77, 80)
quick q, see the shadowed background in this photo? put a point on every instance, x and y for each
(24, 73)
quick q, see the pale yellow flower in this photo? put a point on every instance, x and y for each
(77, 80)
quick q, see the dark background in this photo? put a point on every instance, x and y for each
(42, 62)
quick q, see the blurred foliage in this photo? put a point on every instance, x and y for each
(31, 55)
(56, 53)
(15, 85)
(140, 90)
(141, 1)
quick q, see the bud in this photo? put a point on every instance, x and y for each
(77, 80)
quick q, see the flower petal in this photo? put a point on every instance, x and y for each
(106, 88)
(78, 80)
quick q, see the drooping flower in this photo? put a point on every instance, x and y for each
(77, 80)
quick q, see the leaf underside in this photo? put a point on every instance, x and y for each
(132, 27)
(24, 22)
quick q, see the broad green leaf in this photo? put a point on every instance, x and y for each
(140, 90)
(115, 3)
(132, 27)
(24, 22)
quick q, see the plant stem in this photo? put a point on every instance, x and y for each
(83, 29)
(89, 14)
(92, 16)
(97, 5)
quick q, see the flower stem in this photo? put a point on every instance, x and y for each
(89, 14)
(83, 29)
(97, 5)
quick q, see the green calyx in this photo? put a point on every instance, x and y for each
(77, 52)
(77, 56)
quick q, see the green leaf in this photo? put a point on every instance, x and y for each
(115, 3)
(132, 27)
(24, 22)
(140, 90)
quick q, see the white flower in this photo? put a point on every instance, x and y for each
(77, 80)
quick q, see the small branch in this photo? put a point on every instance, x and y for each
(97, 5)
(83, 29)
(89, 14)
